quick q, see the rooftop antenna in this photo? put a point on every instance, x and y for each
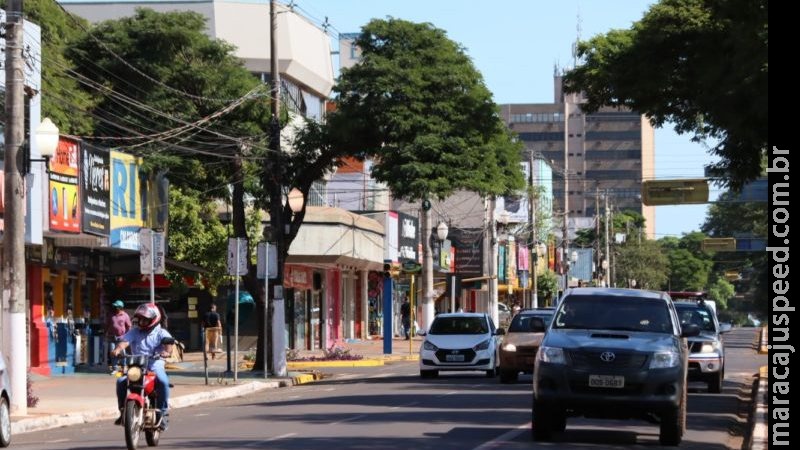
(577, 39)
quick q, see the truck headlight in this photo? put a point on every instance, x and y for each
(510, 347)
(552, 355)
(664, 360)
(709, 347)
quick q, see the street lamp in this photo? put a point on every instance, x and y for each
(46, 141)
(296, 200)
(441, 231)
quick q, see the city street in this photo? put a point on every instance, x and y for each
(390, 407)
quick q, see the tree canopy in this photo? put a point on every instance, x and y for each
(701, 64)
(416, 101)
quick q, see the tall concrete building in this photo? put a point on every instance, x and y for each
(611, 150)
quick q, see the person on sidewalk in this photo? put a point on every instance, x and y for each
(213, 330)
(147, 338)
(405, 317)
(117, 324)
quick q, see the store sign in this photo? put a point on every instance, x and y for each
(64, 205)
(408, 240)
(95, 190)
(468, 244)
(127, 216)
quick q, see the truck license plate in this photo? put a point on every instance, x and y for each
(606, 381)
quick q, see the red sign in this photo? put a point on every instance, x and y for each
(297, 277)
(64, 206)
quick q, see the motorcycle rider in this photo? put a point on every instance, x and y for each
(146, 338)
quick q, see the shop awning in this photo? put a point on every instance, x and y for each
(129, 264)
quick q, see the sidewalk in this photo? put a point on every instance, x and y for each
(89, 395)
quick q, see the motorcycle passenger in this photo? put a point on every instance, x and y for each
(145, 338)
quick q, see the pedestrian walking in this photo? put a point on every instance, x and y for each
(213, 330)
(117, 324)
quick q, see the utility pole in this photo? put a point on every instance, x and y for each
(534, 256)
(276, 202)
(608, 245)
(598, 260)
(14, 217)
(427, 263)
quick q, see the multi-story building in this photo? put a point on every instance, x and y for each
(610, 150)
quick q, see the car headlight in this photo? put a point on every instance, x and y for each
(665, 360)
(428, 346)
(709, 347)
(552, 355)
(510, 347)
(134, 374)
(482, 346)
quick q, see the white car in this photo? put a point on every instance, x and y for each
(460, 341)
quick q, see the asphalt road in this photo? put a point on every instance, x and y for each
(390, 407)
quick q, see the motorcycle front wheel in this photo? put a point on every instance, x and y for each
(133, 424)
(152, 437)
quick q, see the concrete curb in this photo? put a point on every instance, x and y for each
(355, 363)
(306, 378)
(759, 432)
(764, 338)
(62, 420)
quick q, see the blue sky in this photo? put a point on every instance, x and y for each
(515, 44)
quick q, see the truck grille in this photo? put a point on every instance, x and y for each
(621, 360)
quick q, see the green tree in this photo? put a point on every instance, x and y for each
(702, 64)
(196, 234)
(644, 262)
(185, 102)
(416, 102)
(687, 272)
(62, 99)
(721, 291)
(547, 287)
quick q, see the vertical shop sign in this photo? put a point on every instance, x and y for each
(95, 190)
(64, 205)
(126, 201)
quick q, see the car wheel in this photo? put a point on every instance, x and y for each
(508, 376)
(428, 373)
(673, 424)
(715, 382)
(5, 423)
(542, 423)
(491, 373)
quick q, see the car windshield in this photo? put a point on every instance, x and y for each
(522, 322)
(459, 325)
(599, 312)
(696, 314)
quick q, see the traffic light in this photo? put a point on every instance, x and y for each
(391, 271)
(719, 244)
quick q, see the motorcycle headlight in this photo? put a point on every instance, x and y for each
(664, 360)
(134, 374)
(510, 347)
(430, 347)
(482, 346)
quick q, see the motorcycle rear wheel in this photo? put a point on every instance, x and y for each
(152, 437)
(133, 424)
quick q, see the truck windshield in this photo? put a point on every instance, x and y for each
(598, 312)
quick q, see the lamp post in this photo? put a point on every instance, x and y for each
(441, 232)
(46, 141)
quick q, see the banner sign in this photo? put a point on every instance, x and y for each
(408, 240)
(127, 216)
(64, 205)
(95, 190)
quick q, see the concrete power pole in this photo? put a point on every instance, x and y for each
(534, 256)
(427, 264)
(276, 203)
(14, 217)
(608, 244)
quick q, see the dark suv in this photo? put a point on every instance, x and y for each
(613, 353)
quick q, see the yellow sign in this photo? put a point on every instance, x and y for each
(127, 216)
(719, 244)
(674, 192)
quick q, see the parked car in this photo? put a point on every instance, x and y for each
(5, 399)
(706, 351)
(459, 341)
(616, 354)
(521, 342)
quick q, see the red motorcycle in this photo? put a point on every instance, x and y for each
(140, 412)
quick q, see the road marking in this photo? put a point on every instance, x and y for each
(504, 438)
(202, 414)
(330, 389)
(280, 437)
(260, 443)
(57, 441)
(349, 419)
(405, 405)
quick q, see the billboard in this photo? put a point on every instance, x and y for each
(95, 190)
(127, 216)
(408, 237)
(64, 205)
(468, 245)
